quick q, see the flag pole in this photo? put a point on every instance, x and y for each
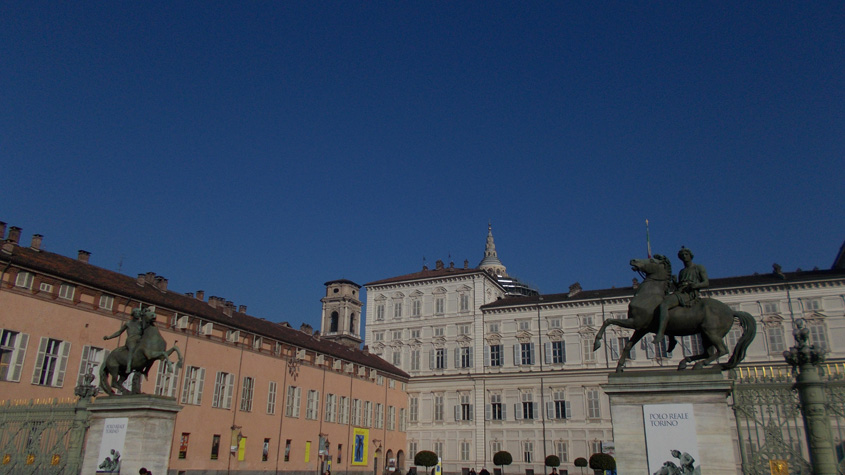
(647, 239)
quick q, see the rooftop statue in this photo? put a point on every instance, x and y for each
(144, 346)
(663, 305)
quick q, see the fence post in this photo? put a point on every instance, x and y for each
(805, 359)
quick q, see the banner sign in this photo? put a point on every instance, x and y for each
(670, 437)
(360, 440)
(114, 435)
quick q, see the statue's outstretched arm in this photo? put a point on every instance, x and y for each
(117, 333)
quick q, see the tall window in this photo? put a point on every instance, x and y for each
(397, 357)
(464, 357)
(391, 418)
(415, 359)
(463, 412)
(495, 446)
(51, 363)
(818, 336)
(12, 353)
(497, 409)
(438, 449)
(557, 351)
(331, 407)
(368, 414)
(495, 355)
(527, 451)
(414, 408)
(416, 307)
(271, 398)
(397, 309)
(527, 408)
(464, 299)
(224, 385)
(292, 402)
(438, 407)
(561, 408)
(562, 450)
(166, 380)
(312, 405)
(593, 404)
(524, 353)
(774, 335)
(733, 337)
(588, 354)
(439, 358)
(379, 423)
(439, 305)
(692, 345)
(343, 410)
(246, 394)
(192, 387)
(380, 312)
(412, 447)
(617, 345)
(464, 451)
(92, 358)
(356, 412)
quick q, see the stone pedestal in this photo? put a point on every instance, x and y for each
(706, 391)
(149, 431)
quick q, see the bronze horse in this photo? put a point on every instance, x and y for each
(710, 318)
(150, 349)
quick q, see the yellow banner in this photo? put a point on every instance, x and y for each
(241, 449)
(360, 445)
(307, 451)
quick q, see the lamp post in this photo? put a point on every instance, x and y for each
(805, 359)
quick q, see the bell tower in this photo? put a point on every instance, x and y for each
(341, 321)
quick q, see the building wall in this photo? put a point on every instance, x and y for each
(80, 324)
(575, 384)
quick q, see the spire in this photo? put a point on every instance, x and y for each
(491, 262)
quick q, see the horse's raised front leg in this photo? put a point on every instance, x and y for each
(626, 352)
(619, 322)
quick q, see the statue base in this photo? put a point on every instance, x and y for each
(641, 430)
(138, 427)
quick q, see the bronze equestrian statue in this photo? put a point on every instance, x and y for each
(707, 317)
(146, 347)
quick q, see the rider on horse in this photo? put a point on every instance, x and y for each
(690, 279)
(134, 329)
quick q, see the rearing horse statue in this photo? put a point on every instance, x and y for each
(150, 348)
(710, 318)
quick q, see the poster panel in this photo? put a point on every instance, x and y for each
(670, 437)
(111, 447)
(360, 440)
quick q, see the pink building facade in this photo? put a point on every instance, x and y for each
(257, 396)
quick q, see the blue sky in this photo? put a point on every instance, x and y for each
(256, 150)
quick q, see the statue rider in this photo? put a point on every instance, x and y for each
(134, 329)
(690, 279)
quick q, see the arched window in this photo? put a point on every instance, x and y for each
(334, 323)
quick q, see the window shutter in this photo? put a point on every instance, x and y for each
(517, 411)
(65, 352)
(486, 355)
(470, 411)
(23, 339)
(614, 349)
(431, 359)
(535, 410)
(488, 412)
(633, 354)
(568, 409)
(83, 364)
(531, 354)
(458, 412)
(504, 412)
(457, 357)
(471, 359)
(230, 388)
(686, 343)
(550, 410)
(547, 349)
(517, 360)
(186, 384)
(218, 386)
(39, 360)
(200, 385)
(563, 351)
(296, 402)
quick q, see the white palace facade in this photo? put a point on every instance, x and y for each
(491, 372)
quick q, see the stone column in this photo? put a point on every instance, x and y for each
(805, 358)
(149, 431)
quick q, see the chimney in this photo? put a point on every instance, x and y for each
(189, 294)
(2, 230)
(317, 334)
(36, 241)
(212, 301)
(83, 256)
(161, 283)
(150, 277)
(228, 306)
(466, 263)
(14, 234)
(574, 289)
(306, 328)
(141, 279)
(366, 350)
(242, 309)
(200, 294)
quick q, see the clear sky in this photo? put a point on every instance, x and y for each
(256, 150)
